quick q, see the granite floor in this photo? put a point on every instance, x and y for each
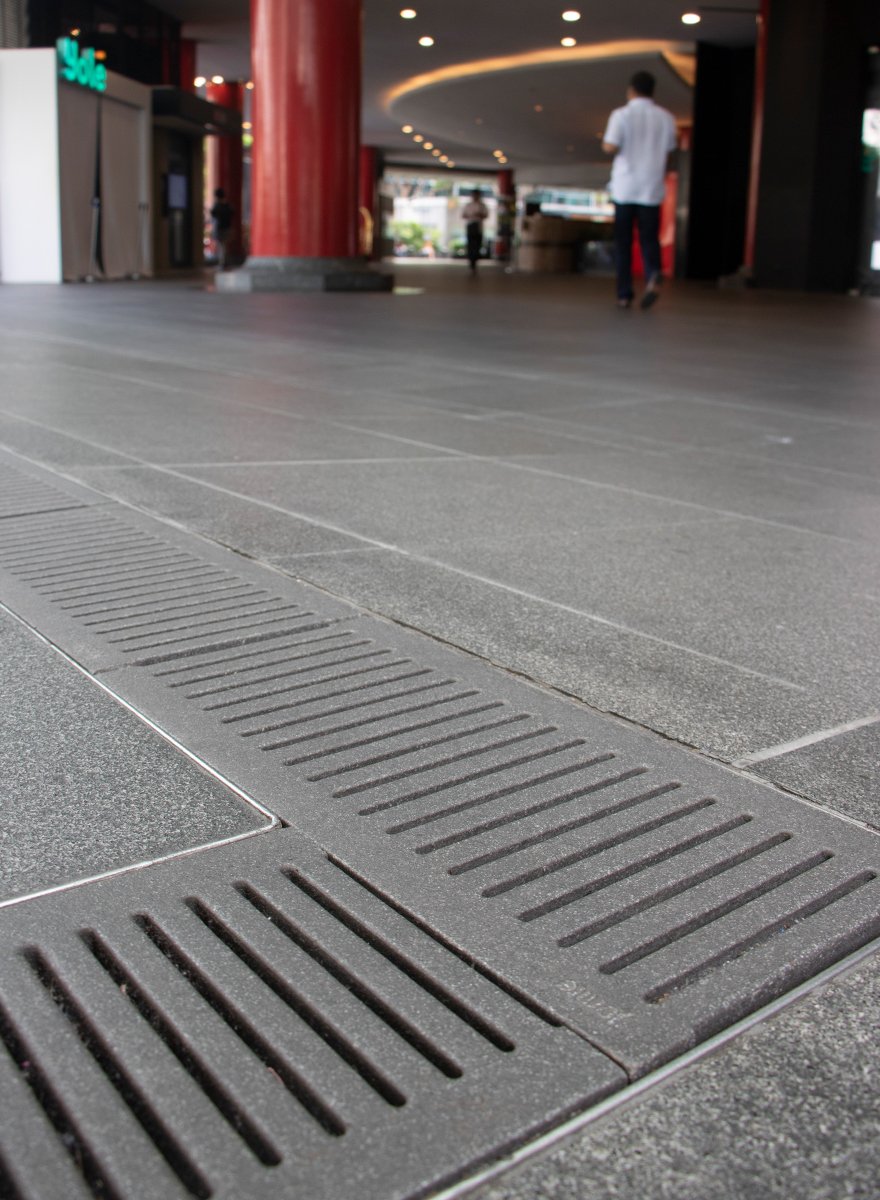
(673, 516)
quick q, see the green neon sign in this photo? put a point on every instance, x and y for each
(80, 66)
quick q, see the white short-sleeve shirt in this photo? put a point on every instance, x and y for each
(645, 134)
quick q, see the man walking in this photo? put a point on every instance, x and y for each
(641, 136)
(474, 214)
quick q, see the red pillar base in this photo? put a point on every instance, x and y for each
(262, 274)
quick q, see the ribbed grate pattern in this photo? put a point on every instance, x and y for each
(275, 1031)
(21, 494)
(645, 895)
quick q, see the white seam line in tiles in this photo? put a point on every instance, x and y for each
(809, 739)
(433, 562)
(545, 1143)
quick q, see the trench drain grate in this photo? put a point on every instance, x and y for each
(644, 897)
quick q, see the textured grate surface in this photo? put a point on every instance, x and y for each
(255, 1023)
(22, 492)
(647, 897)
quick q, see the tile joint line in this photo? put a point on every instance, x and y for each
(809, 739)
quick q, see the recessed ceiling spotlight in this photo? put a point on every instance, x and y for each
(690, 18)
(199, 81)
(497, 153)
(250, 85)
(406, 129)
(247, 125)
(408, 13)
(75, 32)
(426, 41)
(569, 41)
(571, 14)
(435, 153)
(428, 146)
(216, 79)
(502, 160)
(538, 108)
(450, 163)
(444, 158)
(418, 138)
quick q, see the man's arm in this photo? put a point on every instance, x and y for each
(610, 147)
(612, 140)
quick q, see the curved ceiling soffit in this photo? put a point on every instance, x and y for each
(678, 55)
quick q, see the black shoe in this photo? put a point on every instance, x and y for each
(652, 294)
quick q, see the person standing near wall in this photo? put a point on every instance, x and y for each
(474, 214)
(641, 136)
(222, 214)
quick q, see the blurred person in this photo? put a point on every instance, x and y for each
(641, 136)
(474, 214)
(221, 215)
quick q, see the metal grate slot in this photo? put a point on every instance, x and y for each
(447, 998)
(550, 832)
(365, 679)
(144, 1112)
(348, 979)
(255, 691)
(662, 991)
(436, 763)
(268, 667)
(22, 495)
(289, 995)
(358, 705)
(189, 1059)
(548, 867)
(301, 1091)
(81, 1160)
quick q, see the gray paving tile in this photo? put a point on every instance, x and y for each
(721, 711)
(822, 501)
(790, 1109)
(154, 426)
(785, 438)
(258, 532)
(54, 449)
(845, 769)
(766, 599)
(87, 787)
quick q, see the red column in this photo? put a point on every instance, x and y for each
(187, 61)
(306, 57)
(506, 214)
(225, 168)
(757, 135)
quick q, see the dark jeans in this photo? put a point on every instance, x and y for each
(647, 218)
(474, 241)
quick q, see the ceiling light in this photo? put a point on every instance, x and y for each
(502, 160)
(497, 153)
(75, 32)
(426, 41)
(406, 129)
(450, 163)
(569, 41)
(571, 14)
(418, 138)
(216, 79)
(199, 81)
(690, 18)
(539, 108)
(444, 158)
(250, 85)
(435, 153)
(247, 125)
(408, 13)
(428, 146)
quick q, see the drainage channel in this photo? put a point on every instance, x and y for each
(623, 900)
